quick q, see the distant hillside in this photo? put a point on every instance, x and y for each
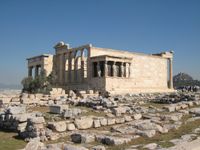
(10, 86)
(183, 79)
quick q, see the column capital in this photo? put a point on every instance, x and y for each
(122, 69)
(98, 69)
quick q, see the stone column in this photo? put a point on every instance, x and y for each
(82, 66)
(72, 68)
(98, 69)
(105, 69)
(75, 68)
(82, 57)
(114, 69)
(82, 71)
(40, 71)
(59, 67)
(36, 71)
(30, 71)
(64, 68)
(69, 67)
(170, 73)
(127, 70)
(124, 65)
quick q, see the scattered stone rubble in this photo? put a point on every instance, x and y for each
(190, 88)
(109, 121)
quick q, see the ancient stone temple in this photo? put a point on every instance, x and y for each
(87, 68)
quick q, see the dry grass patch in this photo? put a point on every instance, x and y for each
(42, 109)
(10, 141)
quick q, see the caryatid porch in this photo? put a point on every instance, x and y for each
(110, 66)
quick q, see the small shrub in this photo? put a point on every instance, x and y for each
(40, 84)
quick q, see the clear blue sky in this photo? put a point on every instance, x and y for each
(32, 27)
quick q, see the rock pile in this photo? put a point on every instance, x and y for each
(57, 95)
(112, 120)
(177, 97)
(189, 88)
(14, 117)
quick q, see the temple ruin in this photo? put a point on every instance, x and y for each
(91, 69)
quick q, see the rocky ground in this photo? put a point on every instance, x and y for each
(131, 122)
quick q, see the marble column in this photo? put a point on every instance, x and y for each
(36, 71)
(64, 68)
(98, 69)
(170, 73)
(82, 71)
(114, 69)
(127, 70)
(105, 69)
(75, 68)
(70, 67)
(82, 65)
(40, 71)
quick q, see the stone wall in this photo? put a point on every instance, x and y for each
(48, 64)
(148, 73)
(39, 63)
